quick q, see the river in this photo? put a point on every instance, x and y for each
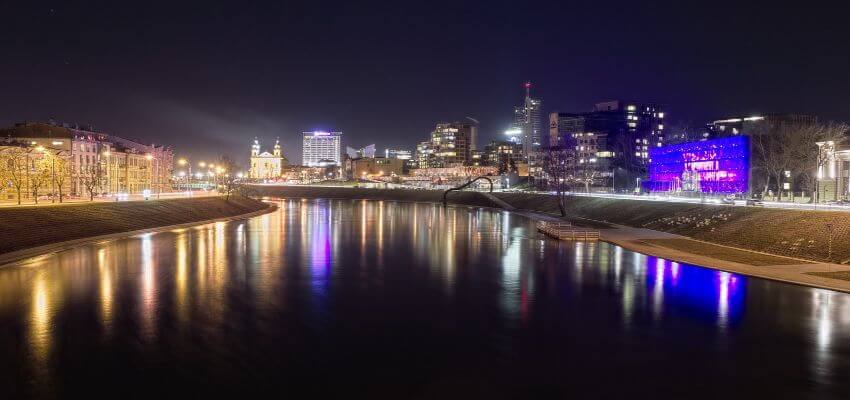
(405, 300)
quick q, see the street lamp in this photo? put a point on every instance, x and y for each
(786, 185)
(106, 154)
(150, 170)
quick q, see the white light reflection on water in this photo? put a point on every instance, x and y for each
(41, 317)
(106, 289)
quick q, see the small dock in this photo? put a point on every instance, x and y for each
(565, 231)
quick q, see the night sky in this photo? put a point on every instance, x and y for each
(207, 78)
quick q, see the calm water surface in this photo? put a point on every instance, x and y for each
(406, 301)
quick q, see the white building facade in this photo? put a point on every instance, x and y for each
(321, 149)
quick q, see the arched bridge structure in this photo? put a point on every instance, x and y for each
(461, 187)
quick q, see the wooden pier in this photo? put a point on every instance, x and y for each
(565, 231)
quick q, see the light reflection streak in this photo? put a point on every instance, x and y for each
(182, 263)
(674, 272)
(723, 300)
(148, 287)
(658, 289)
(511, 290)
(105, 289)
(823, 326)
(320, 249)
(41, 315)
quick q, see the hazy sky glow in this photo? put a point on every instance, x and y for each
(207, 78)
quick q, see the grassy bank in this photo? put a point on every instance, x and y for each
(462, 198)
(27, 227)
(794, 233)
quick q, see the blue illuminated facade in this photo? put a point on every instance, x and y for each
(711, 166)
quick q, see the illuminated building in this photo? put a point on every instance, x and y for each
(833, 172)
(123, 165)
(451, 145)
(503, 154)
(265, 165)
(745, 125)
(615, 136)
(451, 176)
(424, 153)
(367, 152)
(321, 149)
(398, 153)
(377, 166)
(528, 121)
(710, 166)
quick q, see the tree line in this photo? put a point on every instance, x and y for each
(29, 172)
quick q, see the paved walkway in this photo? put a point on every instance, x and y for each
(133, 197)
(724, 258)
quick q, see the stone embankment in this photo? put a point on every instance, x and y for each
(23, 228)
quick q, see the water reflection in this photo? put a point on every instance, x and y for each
(320, 276)
(40, 331)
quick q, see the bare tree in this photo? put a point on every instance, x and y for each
(60, 171)
(39, 177)
(227, 178)
(586, 176)
(781, 147)
(92, 179)
(557, 165)
(14, 161)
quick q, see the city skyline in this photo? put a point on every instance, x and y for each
(130, 74)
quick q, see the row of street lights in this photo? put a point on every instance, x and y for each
(213, 172)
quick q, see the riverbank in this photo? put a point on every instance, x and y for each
(785, 245)
(26, 231)
(802, 234)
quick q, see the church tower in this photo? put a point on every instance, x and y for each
(255, 149)
(277, 148)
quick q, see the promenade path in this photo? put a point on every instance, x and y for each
(725, 258)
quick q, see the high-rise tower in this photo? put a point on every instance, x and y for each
(527, 120)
